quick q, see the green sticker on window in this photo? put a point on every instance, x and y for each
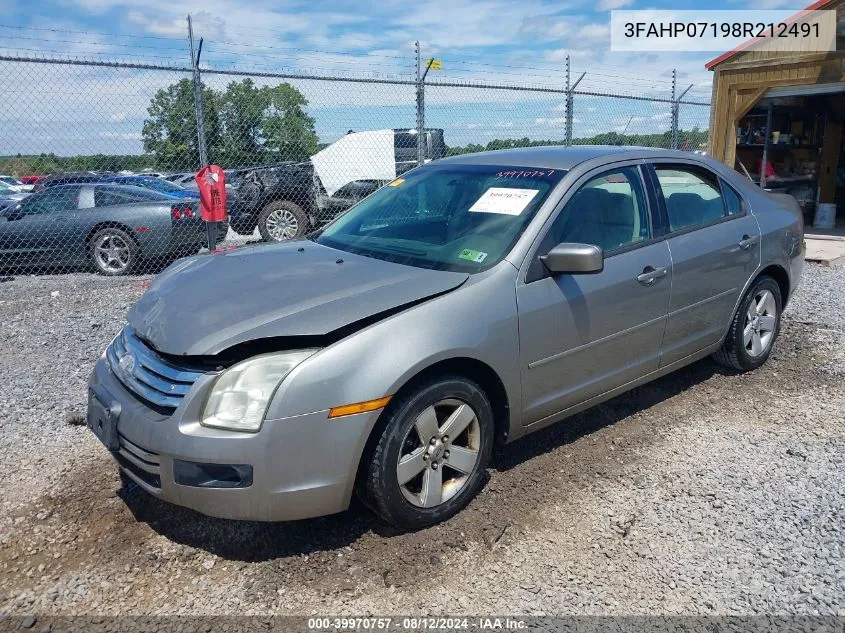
(473, 256)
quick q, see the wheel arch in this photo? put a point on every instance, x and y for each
(471, 368)
(110, 224)
(781, 278)
(779, 274)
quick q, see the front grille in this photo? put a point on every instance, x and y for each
(144, 464)
(147, 375)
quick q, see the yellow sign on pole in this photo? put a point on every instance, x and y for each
(433, 64)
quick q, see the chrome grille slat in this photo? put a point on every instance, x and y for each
(152, 378)
(153, 362)
(160, 384)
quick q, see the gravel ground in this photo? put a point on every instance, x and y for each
(705, 492)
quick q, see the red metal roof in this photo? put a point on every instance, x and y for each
(819, 4)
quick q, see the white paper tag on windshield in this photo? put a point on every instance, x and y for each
(504, 200)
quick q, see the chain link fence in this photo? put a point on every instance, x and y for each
(99, 157)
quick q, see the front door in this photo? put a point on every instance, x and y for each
(38, 231)
(584, 334)
(715, 246)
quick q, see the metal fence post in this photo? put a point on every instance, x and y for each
(420, 109)
(210, 227)
(674, 141)
(568, 106)
(676, 109)
(570, 101)
(195, 65)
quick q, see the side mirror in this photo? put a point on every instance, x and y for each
(569, 257)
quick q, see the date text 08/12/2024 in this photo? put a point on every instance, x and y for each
(420, 623)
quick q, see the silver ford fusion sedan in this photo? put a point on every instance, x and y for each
(467, 303)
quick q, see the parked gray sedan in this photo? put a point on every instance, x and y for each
(472, 301)
(108, 227)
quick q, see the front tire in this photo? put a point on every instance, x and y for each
(281, 221)
(113, 252)
(432, 455)
(754, 328)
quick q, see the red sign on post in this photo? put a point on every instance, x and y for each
(212, 185)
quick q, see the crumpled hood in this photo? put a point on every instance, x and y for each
(208, 303)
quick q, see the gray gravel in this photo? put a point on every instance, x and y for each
(821, 298)
(704, 492)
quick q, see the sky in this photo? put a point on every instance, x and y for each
(72, 109)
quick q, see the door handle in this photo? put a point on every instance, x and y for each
(651, 274)
(748, 241)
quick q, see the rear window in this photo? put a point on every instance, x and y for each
(110, 196)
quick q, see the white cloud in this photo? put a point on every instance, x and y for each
(610, 5)
(773, 4)
(122, 136)
(593, 32)
(552, 122)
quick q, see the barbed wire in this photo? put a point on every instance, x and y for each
(644, 78)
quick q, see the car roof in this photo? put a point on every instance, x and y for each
(560, 156)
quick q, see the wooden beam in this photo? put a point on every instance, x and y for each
(788, 59)
(746, 101)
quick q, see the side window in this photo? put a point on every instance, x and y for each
(609, 211)
(734, 205)
(53, 201)
(692, 194)
(108, 198)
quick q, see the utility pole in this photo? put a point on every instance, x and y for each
(198, 106)
(570, 100)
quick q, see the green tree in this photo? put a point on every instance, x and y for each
(170, 132)
(244, 125)
(242, 113)
(287, 128)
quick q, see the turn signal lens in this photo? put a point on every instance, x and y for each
(358, 407)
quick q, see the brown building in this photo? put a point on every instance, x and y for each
(777, 115)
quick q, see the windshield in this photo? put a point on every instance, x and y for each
(448, 217)
(10, 181)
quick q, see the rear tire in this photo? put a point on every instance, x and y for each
(754, 328)
(418, 474)
(281, 221)
(113, 252)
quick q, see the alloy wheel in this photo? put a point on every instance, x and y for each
(760, 322)
(112, 252)
(439, 453)
(282, 224)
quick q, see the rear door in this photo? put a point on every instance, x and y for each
(715, 247)
(584, 334)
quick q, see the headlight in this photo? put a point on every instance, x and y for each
(241, 394)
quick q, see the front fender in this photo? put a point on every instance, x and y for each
(477, 320)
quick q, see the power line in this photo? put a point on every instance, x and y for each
(53, 41)
(51, 30)
(307, 50)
